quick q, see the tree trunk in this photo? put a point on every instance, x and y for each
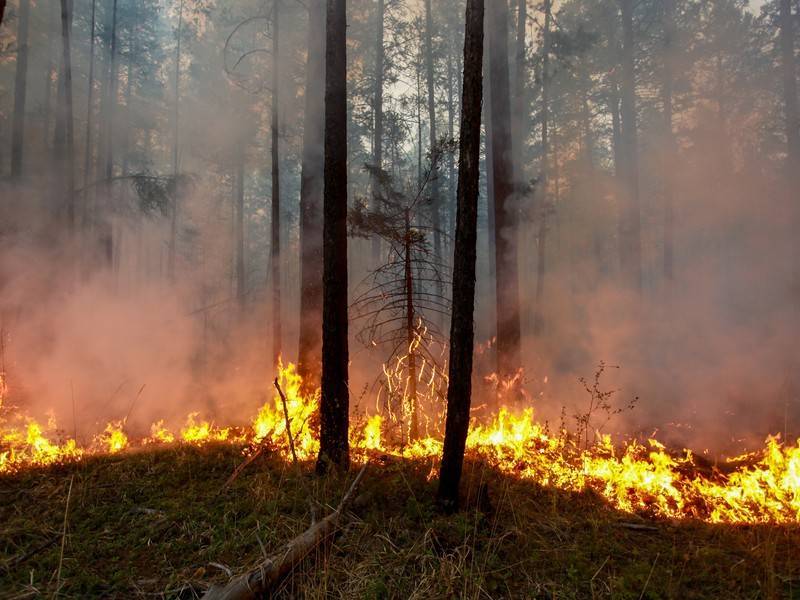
(631, 251)
(410, 328)
(789, 73)
(434, 180)
(50, 68)
(173, 228)
(670, 166)
(520, 80)
(66, 134)
(541, 238)
(377, 143)
(87, 157)
(275, 244)
(108, 168)
(451, 160)
(505, 213)
(311, 184)
(462, 334)
(20, 89)
(335, 401)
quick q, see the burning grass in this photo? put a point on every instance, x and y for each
(151, 522)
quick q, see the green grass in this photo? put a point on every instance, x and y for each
(148, 523)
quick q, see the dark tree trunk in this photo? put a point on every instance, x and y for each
(173, 227)
(451, 161)
(2, 10)
(789, 73)
(520, 81)
(87, 157)
(65, 148)
(311, 184)
(631, 250)
(505, 213)
(541, 237)
(377, 148)
(434, 180)
(49, 71)
(410, 328)
(275, 244)
(462, 334)
(108, 168)
(20, 89)
(335, 401)
(670, 166)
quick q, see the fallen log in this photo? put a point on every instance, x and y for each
(256, 583)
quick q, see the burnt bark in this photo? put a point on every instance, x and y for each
(462, 333)
(335, 401)
(505, 213)
(311, 186)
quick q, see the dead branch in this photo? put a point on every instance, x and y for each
(288, 423)
(270, 572)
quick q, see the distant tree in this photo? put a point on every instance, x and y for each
(786, 24)
(335, 400)
(459, 390)
(275, 233)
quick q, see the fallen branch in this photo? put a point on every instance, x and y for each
(271, 571)
(254, 455)
(288, 423)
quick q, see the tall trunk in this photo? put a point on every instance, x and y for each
(108, 168)
(66, 148)
(20, 89)
(520, 80)
(505, 217)
(49, 70)
(541, 238)
(239, 226)
(173, 227)
(451, 161)
(311, 184)
(410, 329)
(789, 73)
(377, 148)
(670, 166)
(631, 250)
(434, 181)
(462, 333)
(275, 243)
(87, 157)
(334, 445)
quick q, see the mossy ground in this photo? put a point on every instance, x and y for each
(150, 523)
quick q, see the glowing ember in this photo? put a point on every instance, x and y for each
(761, 487)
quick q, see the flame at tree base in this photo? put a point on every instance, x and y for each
(634, 477)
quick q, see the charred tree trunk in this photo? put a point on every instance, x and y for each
(377, 143)
(335, 401)
(311, 184)
(429, 76)
(20, 90)
(505, 214)
(666, 98)
(275, 244)
(410, 328)
(173, 226)
(462, 333)
(789, 73)
(631, 251)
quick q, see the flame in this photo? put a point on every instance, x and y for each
(643, 477)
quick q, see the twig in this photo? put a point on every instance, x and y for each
(135, 400)
(288, 425)
(64, 535)
(23, 557)
(638, 527)
(242, 466)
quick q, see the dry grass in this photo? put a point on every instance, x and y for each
(150, 523)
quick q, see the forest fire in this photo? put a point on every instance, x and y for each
(649, 479)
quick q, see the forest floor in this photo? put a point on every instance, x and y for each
(151, 523)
